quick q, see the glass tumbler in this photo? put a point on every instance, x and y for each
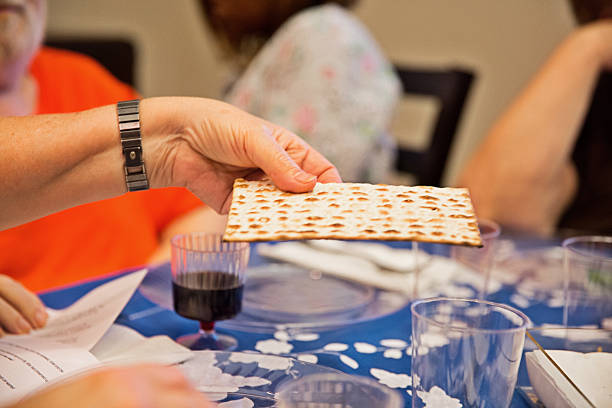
(480, 259)
(208, 278)
(465, 351)
(337, 390)
(587, 270)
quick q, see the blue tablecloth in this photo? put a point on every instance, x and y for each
(381, 344)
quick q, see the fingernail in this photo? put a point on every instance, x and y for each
(23, 326)
(40, 318)
(304, 177)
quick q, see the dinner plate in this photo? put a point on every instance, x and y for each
(246, 379)
(279, 295)
(285, 293)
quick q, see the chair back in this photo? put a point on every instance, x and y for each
(451, 88)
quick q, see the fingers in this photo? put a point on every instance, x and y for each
(274, 160)
(278, 154)
(315, 163)
(20, 309)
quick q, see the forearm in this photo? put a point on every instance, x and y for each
(525, 159)
(538, 131)
(52, 162)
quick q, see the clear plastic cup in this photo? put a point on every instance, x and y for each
(480, 259)
(337, 391)
(465, 351)
(588, 280)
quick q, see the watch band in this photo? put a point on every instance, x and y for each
(131, 142)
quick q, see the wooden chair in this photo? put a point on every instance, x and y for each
(116, 54)
(451, 87)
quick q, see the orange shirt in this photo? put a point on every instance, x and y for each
(91, 239)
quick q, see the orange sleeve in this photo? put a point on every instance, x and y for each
(70, 82)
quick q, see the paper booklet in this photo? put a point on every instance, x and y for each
(79, 338)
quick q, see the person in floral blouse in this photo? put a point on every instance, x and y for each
(313, 68)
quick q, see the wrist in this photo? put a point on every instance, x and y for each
(594, 40)
(161, 132)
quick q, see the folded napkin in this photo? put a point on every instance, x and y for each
(353, 261)
(590, 372)
(383, 256)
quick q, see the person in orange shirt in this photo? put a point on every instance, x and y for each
(92, 239)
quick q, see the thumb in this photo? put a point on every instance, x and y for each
(274, 160)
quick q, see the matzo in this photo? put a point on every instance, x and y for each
(262, 212)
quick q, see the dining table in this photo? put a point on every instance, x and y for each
(378, 348)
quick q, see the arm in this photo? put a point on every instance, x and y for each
(142, 386)
(522, 175)
(52, 162)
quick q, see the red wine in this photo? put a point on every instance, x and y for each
(207, 296)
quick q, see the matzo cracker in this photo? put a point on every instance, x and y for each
(262, 212)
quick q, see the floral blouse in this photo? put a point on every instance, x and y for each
(324, 77)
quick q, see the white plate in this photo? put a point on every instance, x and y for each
(295, 299)
(245, 379)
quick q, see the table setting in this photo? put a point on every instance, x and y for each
(399, 323)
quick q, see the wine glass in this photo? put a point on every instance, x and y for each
(207, 283)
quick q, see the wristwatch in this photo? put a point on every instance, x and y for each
(131, 142)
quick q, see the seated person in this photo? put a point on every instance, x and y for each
(91, 239)
(545, 167)
(314, 69)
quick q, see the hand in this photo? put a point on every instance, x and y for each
(204, 145)
(20, 309)
(143, 386)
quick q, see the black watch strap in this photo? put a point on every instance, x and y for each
(131, 142)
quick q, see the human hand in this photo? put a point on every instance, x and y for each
(204, 145)
(143, 386)
(20, 309)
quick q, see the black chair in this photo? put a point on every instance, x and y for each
(451, 87)
(115, 54)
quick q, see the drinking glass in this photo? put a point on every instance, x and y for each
(207, 283)
(465, 351)
(588, 280)
(480, 259)
(331, 390)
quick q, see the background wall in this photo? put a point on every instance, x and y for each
(504, 41)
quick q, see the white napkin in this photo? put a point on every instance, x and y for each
(439, 275)
(394, 259)
(591, 372)
(123, 345)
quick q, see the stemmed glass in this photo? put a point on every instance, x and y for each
(207, 283)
